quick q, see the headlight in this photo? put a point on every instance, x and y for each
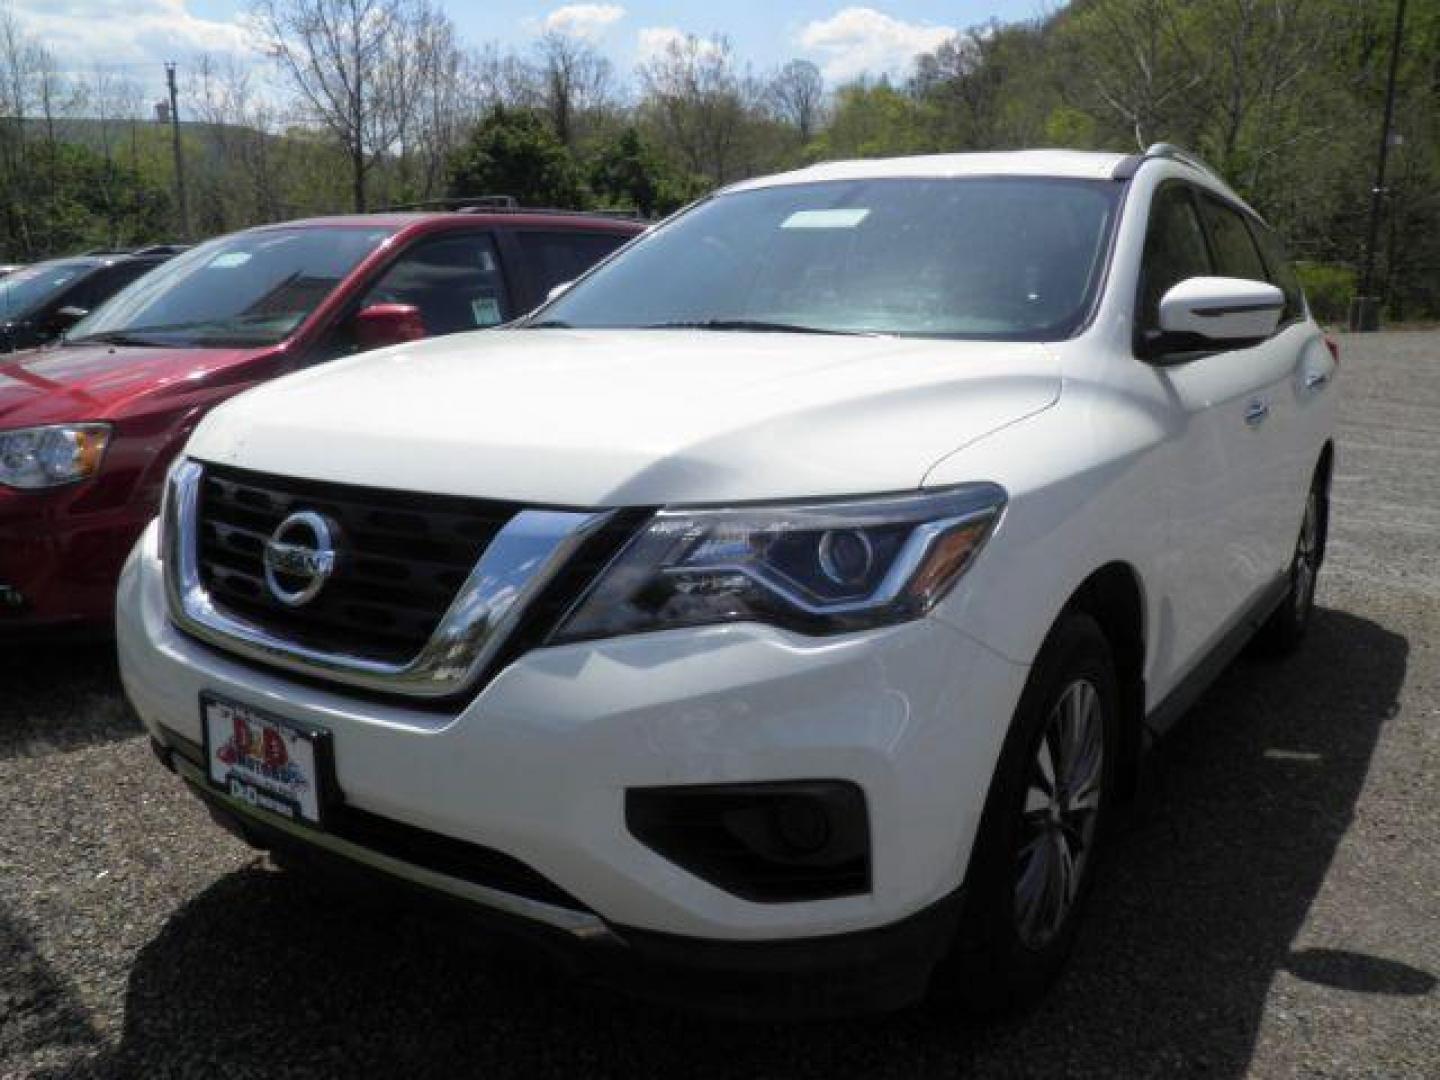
(820, 567)
(43, 457)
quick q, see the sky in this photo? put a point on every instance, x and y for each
(135, 37)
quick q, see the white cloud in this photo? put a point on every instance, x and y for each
(587, 21)
(860, 40)
(82, 33)
(653, 41)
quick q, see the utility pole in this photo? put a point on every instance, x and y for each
(1365, 307)
(179, 155)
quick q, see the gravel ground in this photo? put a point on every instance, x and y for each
(1270, 908)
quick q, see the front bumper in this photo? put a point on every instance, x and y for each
(61, 552)
(536, 766)
(801, 978)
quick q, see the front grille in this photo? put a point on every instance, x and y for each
(403, 558)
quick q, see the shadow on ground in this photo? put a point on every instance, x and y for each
(60, 695)
(1205, 889)
(38, 1006)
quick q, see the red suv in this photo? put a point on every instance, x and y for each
(88, 426)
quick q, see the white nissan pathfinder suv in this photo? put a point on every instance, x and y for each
(779, 613)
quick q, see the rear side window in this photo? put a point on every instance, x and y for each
(1174, 250)
(1235, 252)
(1281, 273)
(454, 281)
(557, 257)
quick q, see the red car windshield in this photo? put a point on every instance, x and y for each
(249, 289)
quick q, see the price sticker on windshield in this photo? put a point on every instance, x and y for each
(825, 219)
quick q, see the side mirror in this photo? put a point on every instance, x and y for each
(388, 324)
(1231, 311)
(556, 290)
(66, 317)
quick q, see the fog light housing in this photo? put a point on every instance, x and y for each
(769, 842)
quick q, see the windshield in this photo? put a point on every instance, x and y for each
(249, 289)
(1004, 258)
(28, 288)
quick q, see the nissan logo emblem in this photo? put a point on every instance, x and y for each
(299, 558)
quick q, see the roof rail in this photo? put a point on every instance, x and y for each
(106, 251)
(161, 249)
(464, 202)
(1127, 166)
(610, 214)
(1180, 154)
(507, 204)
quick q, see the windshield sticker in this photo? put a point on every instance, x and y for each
(486, 310)
(229, 260)
(825, 219)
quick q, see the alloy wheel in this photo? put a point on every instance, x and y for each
(1061, 809)
(1307, 556)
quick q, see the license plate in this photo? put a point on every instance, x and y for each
(281, 766)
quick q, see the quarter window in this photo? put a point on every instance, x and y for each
(1235, 252)
(555, 258)
(1174, 251)
(1281, 273)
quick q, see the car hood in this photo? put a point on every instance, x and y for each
(634, 417)
(68, 383)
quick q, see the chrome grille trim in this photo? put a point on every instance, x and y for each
(518, 563)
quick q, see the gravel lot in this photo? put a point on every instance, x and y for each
(1271, 907)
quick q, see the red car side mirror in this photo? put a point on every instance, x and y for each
(388, 324)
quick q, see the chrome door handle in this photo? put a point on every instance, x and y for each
(1256, 412)
(1316, 379)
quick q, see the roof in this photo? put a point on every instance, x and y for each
(76, 260)
(1078, 164)
(396, 221)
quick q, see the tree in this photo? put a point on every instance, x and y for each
(699, 103)
(575, 78)
(493, 77)
(514, 152)
(796, 95)
(360, 68)
(874, 120)
(986, 90)
(628, 172)
(1263, 50)
(1142, 64)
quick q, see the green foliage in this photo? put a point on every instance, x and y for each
(514, 152)
(1070, 128)
(1328, 288)
(873, 120)
(68, 197)
(627, 172)
(1281, 96)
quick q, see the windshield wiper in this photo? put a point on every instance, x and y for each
(116, 337)
(757, 325)
(546, 324)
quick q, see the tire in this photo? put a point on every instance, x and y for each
(1015, 934)
(1285, 629)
